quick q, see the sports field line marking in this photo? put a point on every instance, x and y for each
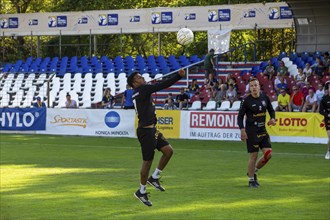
(175, 148)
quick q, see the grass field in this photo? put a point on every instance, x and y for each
(64, 177)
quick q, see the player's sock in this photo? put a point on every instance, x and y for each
(156, 173)
(251, 179)
(143, 189)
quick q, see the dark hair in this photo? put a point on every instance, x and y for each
(130, 79)
(212, 50)
(326, 53)
(68, 94)
(253, 79)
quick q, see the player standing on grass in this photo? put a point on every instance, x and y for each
(149, 137)
(254, 133)
(325, 111)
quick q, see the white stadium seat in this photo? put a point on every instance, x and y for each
(225, 105)
(196, 105)
(211, 105)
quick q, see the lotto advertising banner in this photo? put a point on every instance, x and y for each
(109, 123)
(23, 119)
(149, 20)
(298, 127)
(209, 125)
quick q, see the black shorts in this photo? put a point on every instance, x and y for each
(256, 141)
(327, 123)
(150, 139)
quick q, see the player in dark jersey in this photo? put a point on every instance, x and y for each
(149, 137)
(325, 111)
(254, 133)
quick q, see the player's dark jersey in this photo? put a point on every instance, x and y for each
(325, 106)
(143, 101)
(255, 111)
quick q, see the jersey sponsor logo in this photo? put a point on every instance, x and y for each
(263, 102)
(112, 119)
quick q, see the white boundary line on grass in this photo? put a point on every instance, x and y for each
(175, 149)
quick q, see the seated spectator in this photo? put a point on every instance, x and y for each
(300, 78)
(282, 69)
(221, 94)
(283, 101)
(319, 95)
(182, 99)
(281, 85)
(207, 96)
(278, 81)
(108, 100)
(169, 96)
(233, 81)
(308, 71)
(39, 103)
(211, 82)
(310, 101)
(318, 68)
(169, 105)
(195, 97)
(127, 101)
(297, 99)
(70, 103)
(326, 60)
(305, 89)
(269, 70)
(193, 87)
(231, 94)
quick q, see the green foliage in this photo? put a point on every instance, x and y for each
(71, 177)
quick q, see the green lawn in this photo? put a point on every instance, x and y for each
(64, 177)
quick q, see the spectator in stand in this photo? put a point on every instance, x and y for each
(300, 78)
(127, 101)
(193, 87)
(195, 97)
(282, 69)
(70, 103)
(39, 103)
(318, 68)
(306, 88)
(283, 100)
(232, 80)
(231, 94)
(182, 99)
(221, 94)
(319, 95)
(211, 82)
(108, 100)
(297, 99)
(326, 60)
(269, 70)
(278, 81)
(169, 105)
(209, 64)
(308, 71)
(169, 96)
(310, 101)
(281, 85)
(207, 96)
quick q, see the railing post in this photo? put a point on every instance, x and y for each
(245, 53)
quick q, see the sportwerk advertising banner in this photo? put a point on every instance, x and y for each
(108, 123)
(23, 119)
(149, 20)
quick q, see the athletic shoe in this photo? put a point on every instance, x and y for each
(155, 183)
(143, 197)
(327, 156)
(253, 184)
(256, 179)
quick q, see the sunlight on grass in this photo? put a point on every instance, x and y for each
(14, 177)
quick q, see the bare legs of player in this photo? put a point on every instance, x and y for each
(167, 154)
(252, 164)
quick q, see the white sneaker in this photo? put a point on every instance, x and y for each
(327, 156)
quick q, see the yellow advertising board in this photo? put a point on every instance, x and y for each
(168, 123)
(297, 124)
